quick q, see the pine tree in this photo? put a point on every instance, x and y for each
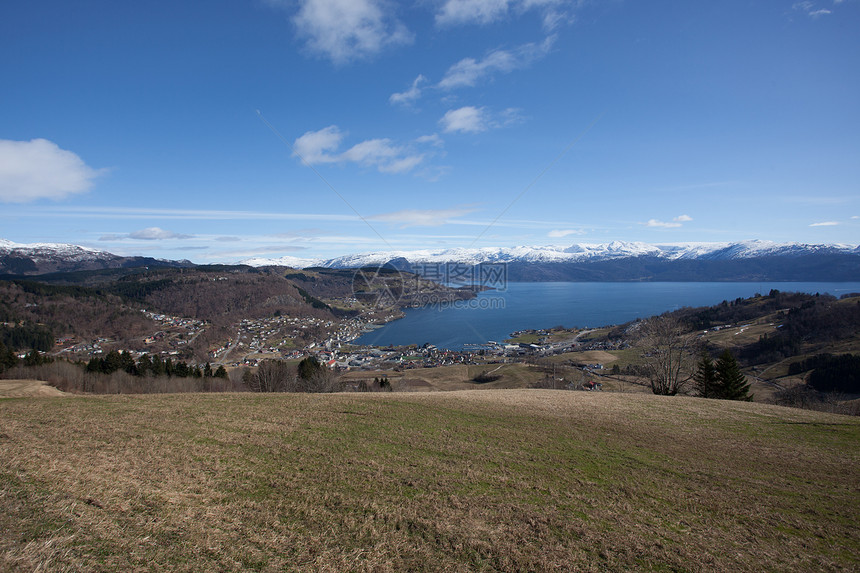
(731, 382)
(706, 377)
(7, 358)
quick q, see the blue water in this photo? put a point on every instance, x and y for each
(494, 315)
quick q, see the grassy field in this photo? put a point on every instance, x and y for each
(511, 480)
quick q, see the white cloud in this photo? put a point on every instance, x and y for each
(410, 95)
(39, 169)
(422, 217)
(371, 152)
(487, 11)
(468, 71)
(138, 213)
(811, 11)
(664, 224)
(148, 234)
(403, 165)
(315, 147)
(825, 224)
(346, 30)
(673, 224)
(467, 119)
(560, 233)
(432, 139)
(470, 119)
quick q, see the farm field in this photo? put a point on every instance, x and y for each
(472, 480)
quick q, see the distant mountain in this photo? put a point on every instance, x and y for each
(618, 260)
(41, 258)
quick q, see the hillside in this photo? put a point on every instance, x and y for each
(482, 480)
(194, 311)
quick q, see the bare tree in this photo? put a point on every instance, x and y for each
(670, 351)
(272, 376)
(279, 376)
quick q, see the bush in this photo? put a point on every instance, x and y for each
(485, 377)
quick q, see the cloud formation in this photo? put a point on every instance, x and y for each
(560, 233)
(410, 95)
(825, 224)
(811, 10)
(317, 147)
(39, 169)
(346, 30)
(468, 71)
(454, 12)
(422, 217)
(471, 119)
(674, 223)
(148, 234)
(468, 119)
(664, 224)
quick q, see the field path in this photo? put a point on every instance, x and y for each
(23, 388)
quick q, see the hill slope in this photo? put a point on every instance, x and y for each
(490, 480)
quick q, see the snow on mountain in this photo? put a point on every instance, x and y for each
(285, 261)
(53, 251)
(580, 252)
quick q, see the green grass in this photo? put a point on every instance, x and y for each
(477, 480)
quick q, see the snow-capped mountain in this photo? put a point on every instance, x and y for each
(581, 252)
(753, 260)
(40, 258)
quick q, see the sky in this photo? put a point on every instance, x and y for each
(224, 130)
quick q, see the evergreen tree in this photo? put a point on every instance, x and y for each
(221, 372)
(33, 358)
(310, 367)
(7, 358)
(159, 368)
(144, 365)
(731, 382)
(706, 377)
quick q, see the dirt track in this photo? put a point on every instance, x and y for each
(23, 388)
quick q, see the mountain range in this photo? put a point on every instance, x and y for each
(753, 260)
(42, 258)
(577, 253)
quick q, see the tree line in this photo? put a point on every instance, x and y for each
(830, 373)
(148, 365)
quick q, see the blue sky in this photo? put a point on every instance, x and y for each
(314, 128)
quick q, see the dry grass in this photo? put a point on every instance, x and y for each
(449, 378)
(20, 388)
(475, 480)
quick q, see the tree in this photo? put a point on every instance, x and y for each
(706, 377)
(7, 358)
(669, 350)
(309, 368)
(731, 382)
(272, 376)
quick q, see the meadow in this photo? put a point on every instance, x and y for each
(477, 480)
